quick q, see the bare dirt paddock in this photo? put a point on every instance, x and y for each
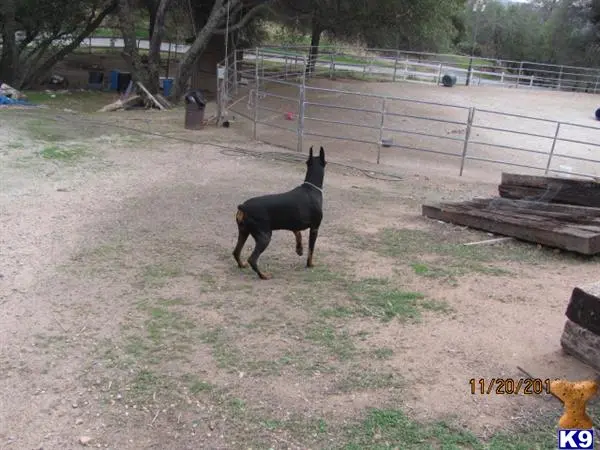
(126, 321)
(453, 104)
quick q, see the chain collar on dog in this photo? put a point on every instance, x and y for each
(316, 187)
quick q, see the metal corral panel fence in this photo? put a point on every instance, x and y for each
(273, 90)
(430, 67)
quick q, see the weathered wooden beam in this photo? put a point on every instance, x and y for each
(538, 207)
(522, 224)
(581, 343)
(584, 307)
(573, 191)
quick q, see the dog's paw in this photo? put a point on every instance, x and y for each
(242, 265)
(299, 251)
(265, 276)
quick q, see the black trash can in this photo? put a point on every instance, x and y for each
(449, 80)
(195, 104)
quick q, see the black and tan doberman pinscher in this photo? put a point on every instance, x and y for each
(295, 210)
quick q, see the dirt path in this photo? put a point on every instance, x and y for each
(124, 318)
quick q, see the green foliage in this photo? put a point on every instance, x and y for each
(421, 25)
(558, 32)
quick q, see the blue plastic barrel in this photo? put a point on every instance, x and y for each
(114, 80)
(167, 86)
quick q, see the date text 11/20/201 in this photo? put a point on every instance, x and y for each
(509, 386)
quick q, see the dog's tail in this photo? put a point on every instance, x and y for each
(241, 216)
(244, 218)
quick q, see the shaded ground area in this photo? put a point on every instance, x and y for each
(126, 320)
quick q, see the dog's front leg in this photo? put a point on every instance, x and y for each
(312, 239)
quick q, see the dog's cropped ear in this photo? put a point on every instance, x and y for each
(322, 156)
(310, 156)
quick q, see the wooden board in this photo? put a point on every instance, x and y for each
(570, 213)
(578, 233)
(581, 343)
(584, 308)
(575, 191)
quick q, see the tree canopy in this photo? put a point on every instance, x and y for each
(36, 34)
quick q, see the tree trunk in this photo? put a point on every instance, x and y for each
(152, 8)
(188, 61)
(130, 51)
(42, 70)
(315, 39)
(9, 59)
(155, 44)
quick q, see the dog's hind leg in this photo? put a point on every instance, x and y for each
(299, 249)
(312, 239)
(243, 234)
(262, 242)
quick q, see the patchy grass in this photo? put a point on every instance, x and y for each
(443, 256)
(76, 100)
(145, 384)
(402, 242)
(383, 353)
(157, 275)
(63, 153)
(359, 379)
(338, 343)
(386, 429)
(375, 297)
(46, 130)
(392, 428)
(224, 352)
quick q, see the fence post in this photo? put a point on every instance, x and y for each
(300, 129)
(301, 101)
(519, 76)
(285, 74)
(381, 129)
(331, 65)
(470, 118)
(219, 96)
(560, 77)
(531, 81)
(596, 85)
(405, 67)
(552, 148)
(256, 87)
(235, 73)
(439, 77)
(396, 65)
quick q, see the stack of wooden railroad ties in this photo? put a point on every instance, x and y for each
(562, 213)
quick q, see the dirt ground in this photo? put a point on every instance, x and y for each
(127, 325)
(357, 112)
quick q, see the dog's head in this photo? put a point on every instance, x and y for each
(315, 171)
(316, 159)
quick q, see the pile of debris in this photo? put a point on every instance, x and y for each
(142, 99)
(562, 213)
(11, 96)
